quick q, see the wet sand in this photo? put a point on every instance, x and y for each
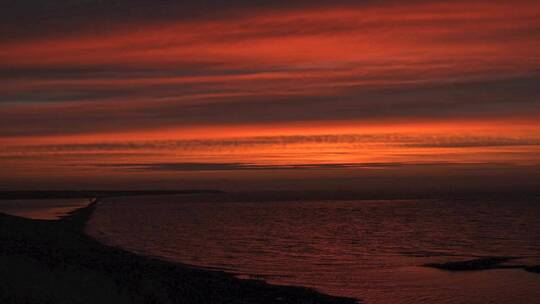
(44, 261)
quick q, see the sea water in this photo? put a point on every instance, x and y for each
(372, 250)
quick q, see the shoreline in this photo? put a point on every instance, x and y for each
(56, 262)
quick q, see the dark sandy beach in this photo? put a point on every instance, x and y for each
(56, 262)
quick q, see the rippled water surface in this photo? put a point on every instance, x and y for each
(371, 250)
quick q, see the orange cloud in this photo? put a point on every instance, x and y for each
(458, 78)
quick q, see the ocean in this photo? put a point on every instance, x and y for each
(372, 250)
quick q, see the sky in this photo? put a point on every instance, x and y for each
(260, 94)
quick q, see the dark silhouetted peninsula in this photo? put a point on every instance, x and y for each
(8, 195)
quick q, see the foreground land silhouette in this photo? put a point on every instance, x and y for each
(44, 261)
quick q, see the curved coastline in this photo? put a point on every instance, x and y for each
(56, 262)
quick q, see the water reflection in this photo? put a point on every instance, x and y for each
(365, 249)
